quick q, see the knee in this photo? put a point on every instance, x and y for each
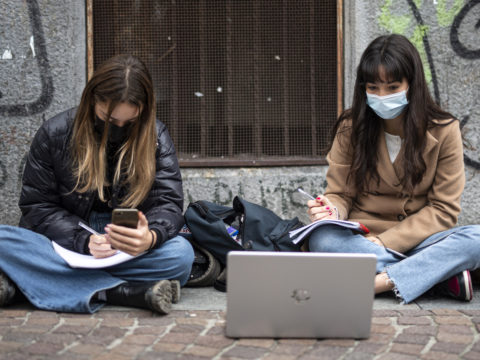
(183, 251)
(324, 239)
(470, 240)
(184, 256)
(470, 236)
(474, 230)
(17, 235)
(188, 255)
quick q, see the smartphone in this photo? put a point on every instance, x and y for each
(125, 217)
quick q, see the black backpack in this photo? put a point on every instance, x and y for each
(245, 226)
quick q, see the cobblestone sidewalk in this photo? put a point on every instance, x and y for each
(118, 333)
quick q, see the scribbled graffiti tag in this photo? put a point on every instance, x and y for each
(46, 96)
(457, 46)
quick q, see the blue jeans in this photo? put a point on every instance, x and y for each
(46, 280)
(437, 258)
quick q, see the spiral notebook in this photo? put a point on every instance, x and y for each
(298, 234)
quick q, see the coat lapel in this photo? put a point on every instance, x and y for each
(398, 168)
(385, 167)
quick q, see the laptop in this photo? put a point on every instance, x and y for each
(299, 295)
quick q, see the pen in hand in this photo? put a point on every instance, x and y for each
(304, 193)
(88, 228)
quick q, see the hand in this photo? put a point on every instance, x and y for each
(321, 208)
(100, 247)
(375, 240)
(129, 240)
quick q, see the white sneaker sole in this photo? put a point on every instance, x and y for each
(468, 285)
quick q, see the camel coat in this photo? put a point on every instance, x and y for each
(401, 221)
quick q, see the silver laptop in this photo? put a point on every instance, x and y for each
(294, 295)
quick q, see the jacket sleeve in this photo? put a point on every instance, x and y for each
(444, 197)
(164, 211)
(339, 159)
(40, 199)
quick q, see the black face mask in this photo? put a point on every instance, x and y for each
(116, 134)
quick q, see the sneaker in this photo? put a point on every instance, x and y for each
(156, 296)
(7, 290)
(205, 268)
(458, 287)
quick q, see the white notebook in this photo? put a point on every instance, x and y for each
(77, 260)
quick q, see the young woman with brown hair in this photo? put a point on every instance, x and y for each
(396, 166)
(109, 152)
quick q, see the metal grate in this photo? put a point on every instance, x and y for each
(238, 82)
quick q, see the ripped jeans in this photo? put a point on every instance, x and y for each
(437, 258)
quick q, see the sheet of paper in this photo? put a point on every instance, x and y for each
(77, 260)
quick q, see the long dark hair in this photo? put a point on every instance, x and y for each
(120, 79)
(400, 59)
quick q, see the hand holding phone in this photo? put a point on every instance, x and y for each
(125, 217)
(129, 231)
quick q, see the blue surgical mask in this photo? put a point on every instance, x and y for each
(388, 106)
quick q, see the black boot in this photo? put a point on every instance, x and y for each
(175, 285)
(7, 290)
(156, 296)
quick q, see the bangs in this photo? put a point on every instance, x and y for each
(393, 69)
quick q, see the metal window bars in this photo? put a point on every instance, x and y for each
(238, 82)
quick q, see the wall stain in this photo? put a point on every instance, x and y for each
(21, 167)
(3, 174)
(221, 190)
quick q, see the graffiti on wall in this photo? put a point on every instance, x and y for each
(40, 51)
(463, 50)
(453, 17)
(43, 101)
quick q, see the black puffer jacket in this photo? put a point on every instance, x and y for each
(49, 206)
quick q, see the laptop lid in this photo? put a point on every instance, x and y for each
(293, 294)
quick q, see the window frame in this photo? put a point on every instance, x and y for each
(214, 162)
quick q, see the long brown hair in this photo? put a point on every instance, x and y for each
(120, 79)
(400, 59)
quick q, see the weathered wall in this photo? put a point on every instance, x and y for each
(453, 71)
(35, 86)
(42, 72)
(447, 35)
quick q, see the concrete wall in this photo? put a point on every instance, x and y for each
(42, 72)
(447, 35)
(37, 82)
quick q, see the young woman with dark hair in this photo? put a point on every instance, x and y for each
(109, 152)
(396, 166)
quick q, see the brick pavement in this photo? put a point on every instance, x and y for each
(119, 333)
